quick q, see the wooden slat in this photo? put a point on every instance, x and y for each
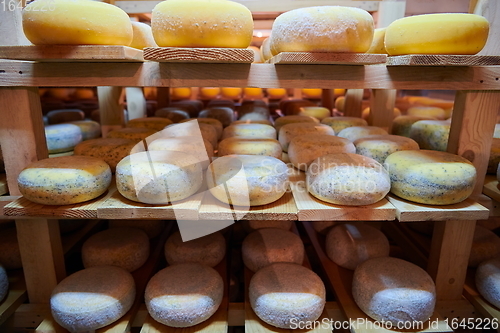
(382, 105)
(15, 297)
(72, 53)
(27, 316)
(199, 55)
(4, 188)
(322, 58)
(491, 188)
(353, 103)
(442, 60)
(110, 109)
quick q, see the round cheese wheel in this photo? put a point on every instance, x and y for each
(73, 22)
(265, 49)
(142, 36)
(208, 250)
(402, 125)
(339, 123)
(250, 130)
(347, 179)
(92, 298)
(348, 245)
(448, 33)
(485, 245)
(249, 146)
(4, 283)
(252, 225)
(283, 293)
(247, 180)
(209, 92)
(172, 113)
(132, 133)
(430, 177)
(290, 107)
(202, 151)
(154, 123)
(152, 228)
(276, 93)
(158, 177)
(232, 93)
(322, 29)
(281, 121)
(64, 180)
(90, 129)
(179, 93)
(378, 45)
(427, 112)
(184, 295)
(252, 93)
(124, 247)
(393, 290)
(10, 255)
(304, 149)
(340, 103)
(317, 112)
(62, 137)
(379, 147)
(223, 114)
(353, 133)
(488, 280)
(290, 131)
(311, 93)
(253, 121)
(221, 23)
(265, 246)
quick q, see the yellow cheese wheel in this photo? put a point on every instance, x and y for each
(250, 146)
(252, 93)
(430, 177)
(427, 111)
(142, 36)
(281, 121)
(202, 23)
(340, 103)
(84, 93)
(250, 130)
(401, 125)
(431, 134)
(322, 29)
(90, 129)
(312, 93)
(276, 93)
(209, 92)
(265, 49)
(231, 92)
(378, 45)
(73, 22)
(379, 147)
(289, 131)
(450, 33)
(180, 93)
(154, 123)
(318, 112)
(339, 123)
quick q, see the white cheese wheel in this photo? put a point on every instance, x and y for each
(393, 290)
(4, 283)
(90, 129)
(92, 298)
(379, 147)
(304, 149)
(247, 180)
(339, 123)
(284, 293)
(154, 123)
(64, 180)
(142, 36)
(62, 137)
(402, 125)
(10, 255)
(132, 133)
(265, 49)
(152, 228)
(259, 131)
(488, 280)
(322, 29)
(353, 133)
(249, 146)
(347, 179)
(348, 245)
(281, 121)
(158, 177)
(268, 245)
(252, 225)
(290, 131)
(430, 177)
(124, 247)
(184, 295)
(485, 246)
(208, 250)
(202, 151)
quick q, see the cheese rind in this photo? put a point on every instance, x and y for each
(401, 125)
(339, 123)
(62, 137)
(203, 151)
(354, 133)
(431, 134)
(90, 129)
(378, 46)
(259, 131)
(487, 280)
(132, 133)
(282, 121)
(154, 123)
(208, 250)
(379, 147)
(142, 36)
(290, 131)
(250, 146)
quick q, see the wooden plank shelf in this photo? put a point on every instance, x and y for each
(330, 58)
(72, 53)
(485, 308)
(199, 55)
(442, 60)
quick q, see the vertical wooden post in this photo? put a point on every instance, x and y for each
(136, 103)
(353, 99)
(327, 99)
(382, 105)
(163, 97)
(110, 108)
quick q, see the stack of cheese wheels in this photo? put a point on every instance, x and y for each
(10, 255)
(347, 179)
(90, 129)
(431, 134)
(152, 228)
(184, 295)
(71, 22)
(268, 245)
(402, 125)
(62, 137)
(208, 250)
(322, 29)
(339, 123)
(158, 177)
(283, 293)
(154, 123)
(252, 225)
(247, 180)
(249, 130)
(132, 133)
(223, 114)
(221, 23)
(488, 282)
(485, 245)
(172, 113)
(449, 33)
(250, 146)
(200, 148)
(348, 245)
(92, 298)
(353, 133)
(142, 36)
(4, 283)
(281, 121)
(304, 149)
(124, 247)
(64, 180)
(379, 147)
(290, 131)
(430, 177)
(393, 290)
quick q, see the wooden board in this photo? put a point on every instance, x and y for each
(312, 209)
(491, 188)
(322, 58)
(407, 211)
(72, 53)
(15, 297)
(199, 55)
(442, 60)
(4, 189)
(483, 306)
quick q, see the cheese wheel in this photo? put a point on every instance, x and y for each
(192, 106)
(488, 280)
(427, 112)
(257, 113)
(152, 228)
(311, 93)
(202, 151)
(172, 113)
(92, 298)
(132, 133)
(10, 255)
(431, 134)
(322, 29)
(184, 295)
(276, 93)
(62, 137)
(221, 23)
(64, 116)
(401, 125)
(250, 146)
(290, 131)
(73, 22)
(210, 121)
(339, 123)
(252, 225)
(209, 92)
(357, 132)
(304, 149)
(282, 294)
(449, 33)
(340, 103)
(348, 245)
(379, 147)
(494, 156)
(154, 123)
(430, 177)
(281, 121)
(4, 283)
(142, 36)
(90, 129)
(194, 129)
(247, 180)
(318, 112)
(110, 150)
(291, 107)
(253, 121)
(222, 113)
(259, 131)
(124, 247)
(179, 92)
(158, 177)
(394, 290)
(485, 246)
(208, 250)
(378, 45)
(252, 93)
(64, 180)
(232, 93)
(265, 49)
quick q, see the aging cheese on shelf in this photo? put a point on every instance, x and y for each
(208, 250)
(431, 134)
(176, 115)
(281, 121)
(202, 23)
(132, 133)
(379, 147)
(142, 36)
(224, 114)
(90, 129)
(485, 246)
(339, 123)
(487, 280)
(427, 111)
(378, 45)
(64, 180)
(62, 137)
(154, 123)
(353, 133)
(259, 131)
(209, 121)
(402, 125)
(250, 146)
(430, 177)
(318, 112)
(73, 22)
(288, 132)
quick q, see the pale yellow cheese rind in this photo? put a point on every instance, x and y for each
(289, 131)
(431, 134)
(249, 130)
(142, 36)
(379, 147)
(339, 123)
(250, 146)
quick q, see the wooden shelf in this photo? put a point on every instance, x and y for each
(199, 55)
(323, 58)
(483, 306)
(442, 60)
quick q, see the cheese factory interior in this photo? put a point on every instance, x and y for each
(249, 166)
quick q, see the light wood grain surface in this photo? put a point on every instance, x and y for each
(328, 58)
(198, 55)
(442, 60)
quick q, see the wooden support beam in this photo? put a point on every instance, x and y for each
(110, 108)
(352, 105)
